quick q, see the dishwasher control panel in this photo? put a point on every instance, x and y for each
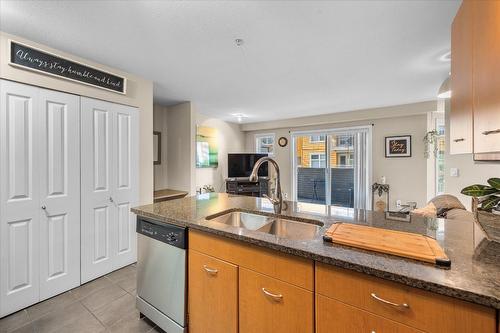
(167, 233)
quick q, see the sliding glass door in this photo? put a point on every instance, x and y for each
(332, 167)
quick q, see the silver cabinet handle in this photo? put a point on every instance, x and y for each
(459, 140)
(44, 207)
(210, 270)
(401, 306)
(276, 297)
(491, 132)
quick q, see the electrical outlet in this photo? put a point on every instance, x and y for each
(454, 172)
(285, 195)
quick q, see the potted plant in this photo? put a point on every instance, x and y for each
(486, 206)
(431, 139)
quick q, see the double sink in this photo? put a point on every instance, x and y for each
(277, 226)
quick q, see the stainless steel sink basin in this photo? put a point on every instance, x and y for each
(280, 227)
(242, 220)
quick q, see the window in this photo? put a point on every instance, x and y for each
(439, 161)
(264, 143)
(316, 138)
(345, 160)
(327, 173)
(318, 161)
(345, 140)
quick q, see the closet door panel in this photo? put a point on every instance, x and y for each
(60, 192)
(126, 173)
(19, 197)
(98, 209)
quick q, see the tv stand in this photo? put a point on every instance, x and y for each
(243, 186)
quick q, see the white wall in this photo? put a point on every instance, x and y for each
(470, 172)
(160, 125)
(180, 156)
(406, 176)
(139, 94)
(230, 139)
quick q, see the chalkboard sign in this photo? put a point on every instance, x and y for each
(33, 59)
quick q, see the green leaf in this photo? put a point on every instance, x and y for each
(494, 182)
(478, 190)
(490, 202)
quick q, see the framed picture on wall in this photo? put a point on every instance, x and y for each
(398, 146)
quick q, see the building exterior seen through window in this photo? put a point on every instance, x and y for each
(310, 151)
(318, 160)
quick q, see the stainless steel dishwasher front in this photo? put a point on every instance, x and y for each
(161, 274)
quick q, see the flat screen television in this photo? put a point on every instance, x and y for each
(241, 165)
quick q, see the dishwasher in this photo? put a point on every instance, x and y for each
(161, 274)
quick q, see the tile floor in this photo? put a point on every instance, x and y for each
(106, 304)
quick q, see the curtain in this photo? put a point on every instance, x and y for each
(361, 169)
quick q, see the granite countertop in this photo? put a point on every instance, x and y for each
(475, 267)
(168, 194)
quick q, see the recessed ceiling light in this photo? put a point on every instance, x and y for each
(239, 116)
(444, 90)
(239, 41)
(446, 57)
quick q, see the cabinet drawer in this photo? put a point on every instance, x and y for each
(213, 295)
(268, 305)
(426, 311)
(336, 317)
(294, 270)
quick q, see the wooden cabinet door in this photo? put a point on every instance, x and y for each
(486, 76)
(19, 197)
(59, 165)
(212, 295)
(336, 317)
(461, 81)
(267, 305)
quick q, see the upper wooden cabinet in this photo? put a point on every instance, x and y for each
(486, 77)
(461, 81)
(475, 80)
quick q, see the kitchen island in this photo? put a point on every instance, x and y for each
(473, 276)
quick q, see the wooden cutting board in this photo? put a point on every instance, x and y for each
(403, 244)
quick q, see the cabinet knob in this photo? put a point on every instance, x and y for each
(44, 207)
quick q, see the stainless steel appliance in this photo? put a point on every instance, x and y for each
(161, 274)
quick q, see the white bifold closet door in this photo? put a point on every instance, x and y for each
(39, 194)
(109, 166)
